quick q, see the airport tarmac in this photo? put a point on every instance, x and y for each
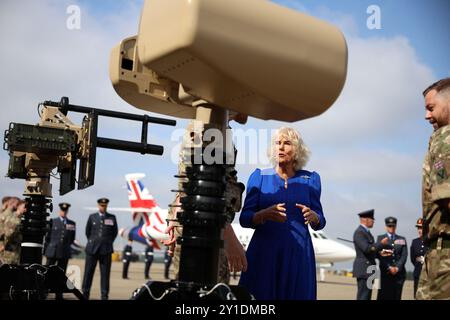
(335, 287)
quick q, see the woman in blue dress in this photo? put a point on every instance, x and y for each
(280, 204)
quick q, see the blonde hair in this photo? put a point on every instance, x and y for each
(301, 151)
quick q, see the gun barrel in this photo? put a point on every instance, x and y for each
(123, 145)
(65, 106)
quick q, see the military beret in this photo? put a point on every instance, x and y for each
(367, 214)
(103, 201)
(419, 222)
(64, 206)
(390, 221)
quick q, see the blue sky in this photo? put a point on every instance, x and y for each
(422, 22)
(368, 147)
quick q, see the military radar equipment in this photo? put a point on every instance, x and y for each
(56, 143)
(208, 59)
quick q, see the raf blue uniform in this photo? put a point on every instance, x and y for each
(101, 230)
(366, 251)
(148, 260)
(126, 259)
(418, 251)
(167, 263)
(59, 240)
(392, 285)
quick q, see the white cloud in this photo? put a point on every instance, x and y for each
(343, 21)
(44, 60)
(381, 98)
(370, 167)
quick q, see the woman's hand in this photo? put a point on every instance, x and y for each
(172, 241)
(310, 216)
(234, 251)
(170, 230)
(274, 213)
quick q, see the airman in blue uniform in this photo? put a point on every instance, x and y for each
(366, 251)
(167, 263)
(148, 260)
(418, 251)
(101, 230)
(126, 258)
(60, 238)
(392, 258)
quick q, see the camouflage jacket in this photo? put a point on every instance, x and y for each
(3, 217)
(436, 184)
(12, 234)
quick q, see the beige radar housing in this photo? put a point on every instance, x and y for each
(249, 56)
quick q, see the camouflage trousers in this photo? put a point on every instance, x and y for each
(224, 272)
(434, 281)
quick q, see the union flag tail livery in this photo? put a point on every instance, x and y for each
(140, 199)
(148, 218)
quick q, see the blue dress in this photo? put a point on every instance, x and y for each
(280, 256)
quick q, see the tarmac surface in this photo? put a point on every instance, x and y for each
(335, 287)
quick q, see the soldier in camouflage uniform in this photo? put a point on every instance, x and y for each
(434, 281)
(9, 205)
(233, 193)
(5, 201)
(13, 235)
